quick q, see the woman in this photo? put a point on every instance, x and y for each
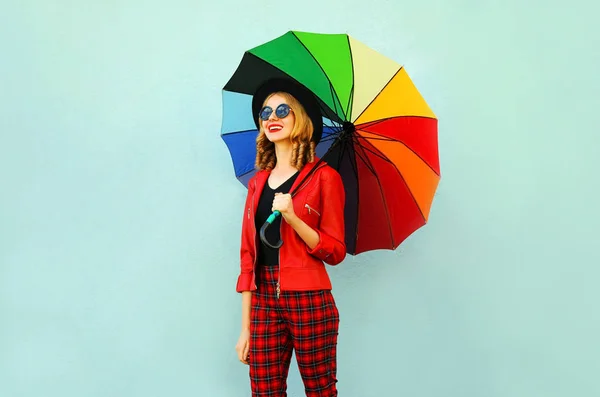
(286, 293)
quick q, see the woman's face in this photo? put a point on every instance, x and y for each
(276, 128)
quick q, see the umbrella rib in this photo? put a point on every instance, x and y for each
(381, 138)
(245, 173)
(346, 143)
(329, 138)
(381, 156)
(365, 160)
(351, 99)
(322, 70)
(238, 132)
(385, 206)
(375, 122)
(400, 142)
(399, 174)
(332, 92)
(379, 93)
(355, 170)
(341, 153)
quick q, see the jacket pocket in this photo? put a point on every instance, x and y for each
(311, 214)
(311, 209)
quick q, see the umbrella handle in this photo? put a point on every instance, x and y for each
(264, 227)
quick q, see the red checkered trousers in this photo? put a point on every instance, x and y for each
(304, 321)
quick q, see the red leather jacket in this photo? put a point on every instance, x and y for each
(320, 203)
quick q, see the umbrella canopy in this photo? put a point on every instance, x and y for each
(378, 131)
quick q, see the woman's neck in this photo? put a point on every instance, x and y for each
(283, 153)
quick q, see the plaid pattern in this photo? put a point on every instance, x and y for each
(305, 321)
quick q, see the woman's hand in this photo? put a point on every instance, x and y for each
(243, 346)
(283, 203)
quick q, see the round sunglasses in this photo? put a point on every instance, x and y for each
(281, 112)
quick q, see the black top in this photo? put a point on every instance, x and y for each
(268, 256)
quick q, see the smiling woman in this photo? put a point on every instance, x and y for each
(286, 291)
(379, 149)
(284, 124)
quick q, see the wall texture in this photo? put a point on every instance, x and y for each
(120, 213)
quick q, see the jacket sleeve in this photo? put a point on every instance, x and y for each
(331, 247)
(245, 281)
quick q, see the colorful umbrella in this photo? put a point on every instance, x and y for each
(378, 131)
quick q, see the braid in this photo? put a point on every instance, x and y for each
(302, 152)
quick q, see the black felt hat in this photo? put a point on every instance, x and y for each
(298, 91)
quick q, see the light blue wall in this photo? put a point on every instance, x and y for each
(120, 215)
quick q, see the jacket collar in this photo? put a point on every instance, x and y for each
(263, 175)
